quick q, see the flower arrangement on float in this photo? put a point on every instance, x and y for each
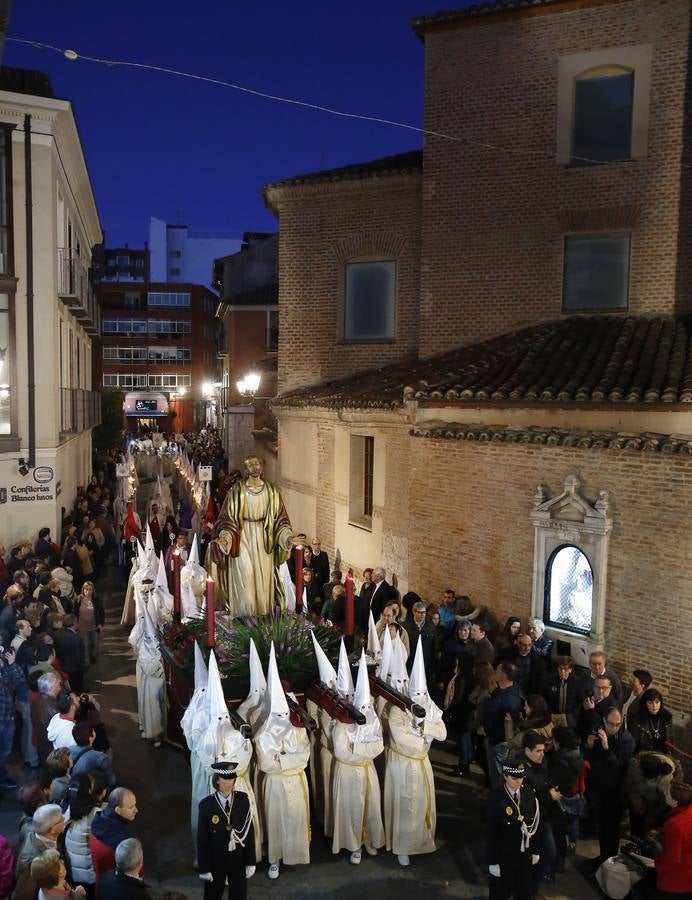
(289, 632)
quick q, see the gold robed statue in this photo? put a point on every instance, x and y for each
(251, 538)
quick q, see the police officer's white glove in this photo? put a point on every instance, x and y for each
(250, 871)
(534, 858)
(494, 871)
(206, 876)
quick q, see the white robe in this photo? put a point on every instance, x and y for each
(153, 694)
(410, 816)
(321, 762)
(356, 792)
(251, 573)
(285, 802)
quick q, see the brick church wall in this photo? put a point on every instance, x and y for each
(469, 508)
(494, 220)
(323, 227)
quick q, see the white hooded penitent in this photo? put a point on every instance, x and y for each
(252, 704)
(326, 669)
(418, 687)
(344, 678)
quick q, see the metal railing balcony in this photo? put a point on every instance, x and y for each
(76, 292)
(80, 410)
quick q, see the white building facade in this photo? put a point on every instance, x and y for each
(176, 257)
(48, 314)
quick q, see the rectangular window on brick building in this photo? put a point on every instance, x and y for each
(369, 300)
(361, 480)
(596, 272)
(603, 115)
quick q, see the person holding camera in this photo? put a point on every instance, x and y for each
(608, 752)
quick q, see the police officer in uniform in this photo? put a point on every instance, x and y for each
(512, 822)
(225, 837)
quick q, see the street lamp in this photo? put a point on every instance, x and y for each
(249, 386)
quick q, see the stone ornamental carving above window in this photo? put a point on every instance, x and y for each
(570, 565)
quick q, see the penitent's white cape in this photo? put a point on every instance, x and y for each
(321, 757)
(409, 788)
(283, 751)
(220, 740)
(356, 787)
(161, 596)
(151, 681)
(193, 581)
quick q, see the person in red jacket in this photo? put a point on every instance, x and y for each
(674, 864)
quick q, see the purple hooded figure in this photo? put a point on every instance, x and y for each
(185, 514)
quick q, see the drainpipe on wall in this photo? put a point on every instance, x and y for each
(30, 291)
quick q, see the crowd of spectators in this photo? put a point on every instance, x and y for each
(73, 830)
(598, 755)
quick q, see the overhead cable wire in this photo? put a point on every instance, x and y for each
(73, 56)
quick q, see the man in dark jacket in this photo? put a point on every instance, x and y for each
(381, 593)
(507, 699)
(608, 752)
(533, 745)
(69, 648)
(418, 629)
(598, 666)
(319, 563)
(562, 691)
(594, 709)
(109, 828)
(530, 665)
(125, 881)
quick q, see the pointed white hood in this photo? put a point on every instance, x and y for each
(398, 676)
(275, 731)
(252, 704)
(149, 541)
(344, 679)
(148, 648)
(142, 559)
(195, 719)
(193, 581)
(418, 687)
(162, 596)
(374, 648)
(219, 740)
(201, 671)
(371, 731)
(326, 669)
(386, 658)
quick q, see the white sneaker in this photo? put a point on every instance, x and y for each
(157, 744)
(371, 851)
(273, 871)
(355, 857)
(403, 860)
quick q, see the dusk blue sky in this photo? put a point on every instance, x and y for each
(197, 154)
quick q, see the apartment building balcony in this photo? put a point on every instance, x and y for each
(76, 292)
(80, 410)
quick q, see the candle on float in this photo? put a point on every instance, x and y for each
(176, 584)
(209, 605)
(349, 624)
(299, 559)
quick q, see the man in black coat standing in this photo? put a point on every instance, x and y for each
(319, 563)
(125, 882)
(418, 629)
(382, 592)
(69, 648)
(225, 837)
(512, 823)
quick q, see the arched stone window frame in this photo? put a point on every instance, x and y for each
(570, 518)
